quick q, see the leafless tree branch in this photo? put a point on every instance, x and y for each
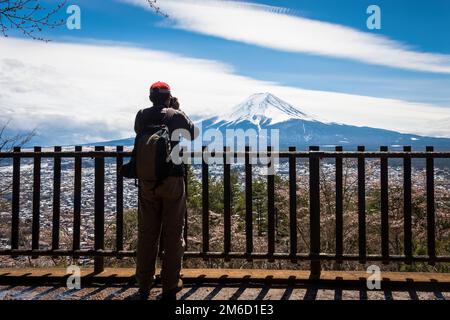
(154, 6)
(7, 143)
(17, 140)
(28, 17)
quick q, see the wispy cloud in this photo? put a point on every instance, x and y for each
(75, 93)
(277, 28)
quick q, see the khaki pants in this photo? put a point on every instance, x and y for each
(163, 207)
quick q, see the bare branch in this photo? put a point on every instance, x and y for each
(17, 140)
(28, 17)
(8, 143)
(154, 6)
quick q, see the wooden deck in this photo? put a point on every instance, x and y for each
(226, 284)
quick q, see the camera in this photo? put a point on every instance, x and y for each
(174, 104)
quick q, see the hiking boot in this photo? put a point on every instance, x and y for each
(171, 294)
(144, 294)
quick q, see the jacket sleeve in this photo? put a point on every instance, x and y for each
(138, 122)
(182, 121)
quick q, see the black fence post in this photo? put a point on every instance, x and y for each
(314, 209)
(205, 202)
(384, 205)
(431, 228)
(77, 200)
(36, 200)
(339, 208)
(226, 201)
(15, 206)
(407, 207)
(56, 198)
(362, 205)
(248, 204)
(270, 207)
(293, 203)
(99, 211)
(186, 188)
(119, 200)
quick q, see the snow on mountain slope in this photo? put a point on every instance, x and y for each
(264, 109)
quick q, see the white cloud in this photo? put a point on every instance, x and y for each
(275, 28)
(76, 93)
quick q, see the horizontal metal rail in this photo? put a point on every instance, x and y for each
(238, 154)
(222, 255)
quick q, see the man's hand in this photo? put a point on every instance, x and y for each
(174, 104)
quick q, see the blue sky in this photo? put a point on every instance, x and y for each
(422, 25)
(316, 54)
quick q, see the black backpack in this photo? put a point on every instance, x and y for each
(150, 160)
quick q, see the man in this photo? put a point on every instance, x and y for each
(162, 206)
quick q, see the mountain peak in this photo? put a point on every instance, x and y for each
(262, 96)
(265, 108)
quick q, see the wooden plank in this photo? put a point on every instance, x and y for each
(233, 275)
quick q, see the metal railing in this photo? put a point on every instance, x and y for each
(314, 157)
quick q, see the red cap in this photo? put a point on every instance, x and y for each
(160, 87)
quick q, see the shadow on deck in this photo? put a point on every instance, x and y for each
(226, 284)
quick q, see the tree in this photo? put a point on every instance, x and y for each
(28, 17)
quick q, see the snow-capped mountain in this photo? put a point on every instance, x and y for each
(299, 129)
(264, 109)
